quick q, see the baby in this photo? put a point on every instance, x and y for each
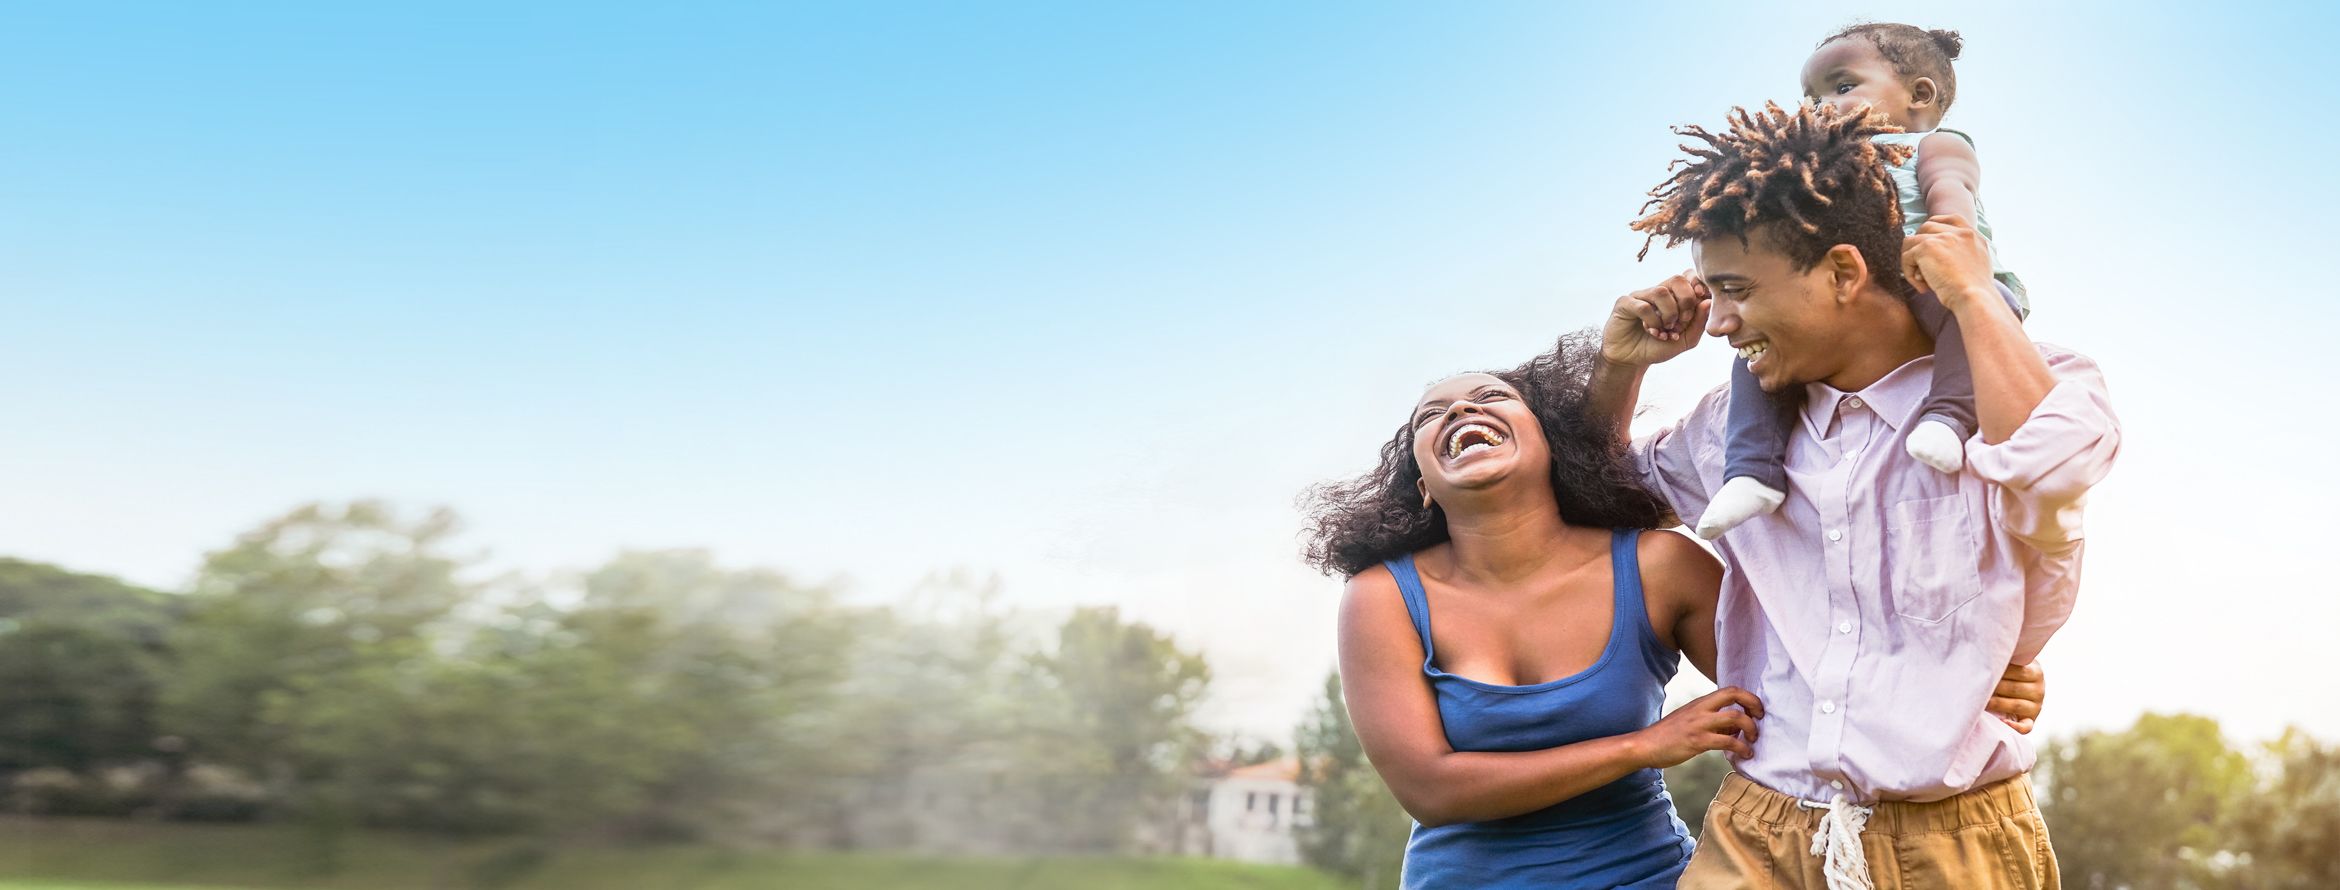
(1905, 74)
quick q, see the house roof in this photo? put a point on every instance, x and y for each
(1285, 770)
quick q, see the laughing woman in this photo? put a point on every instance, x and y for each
(1521, 729)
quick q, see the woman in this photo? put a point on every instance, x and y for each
(1520, 728)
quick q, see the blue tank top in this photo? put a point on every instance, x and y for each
(1623, 834)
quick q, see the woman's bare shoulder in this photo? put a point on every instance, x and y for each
(1678, 568)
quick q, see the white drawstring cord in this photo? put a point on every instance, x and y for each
(1838, 841)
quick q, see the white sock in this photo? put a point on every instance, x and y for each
(1741, 498)
(1936, 445)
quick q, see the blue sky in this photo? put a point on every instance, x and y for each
(1080, 294)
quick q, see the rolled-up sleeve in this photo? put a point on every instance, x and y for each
(2043, 472)
(1669, 459)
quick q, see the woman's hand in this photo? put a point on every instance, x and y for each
(1722, 720)
(2021, 691)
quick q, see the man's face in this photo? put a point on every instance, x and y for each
(1785, 322)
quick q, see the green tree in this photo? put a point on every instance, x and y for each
(1692, 784)
(657, 704)
(2289, 827)
(735, 672)
(2143, 808)
(1359, 830)
(305, 599)
(1113, 725)
(80, 659)
(936, 699)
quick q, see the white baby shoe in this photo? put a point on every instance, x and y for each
(1934, 444)
(1741, 498)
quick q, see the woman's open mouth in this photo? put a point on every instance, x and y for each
(1470, 438)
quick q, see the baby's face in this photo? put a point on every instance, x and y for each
(1849, 72)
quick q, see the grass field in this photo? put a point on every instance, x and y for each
(107, 855)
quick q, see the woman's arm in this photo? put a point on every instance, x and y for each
(1680, 581)
(1397, 721)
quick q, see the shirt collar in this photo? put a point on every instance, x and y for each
(1895, 397)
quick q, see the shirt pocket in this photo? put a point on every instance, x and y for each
(1937, 558)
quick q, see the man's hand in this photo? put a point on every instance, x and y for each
(1947, 256)
(2017, 700)
(1655, 324)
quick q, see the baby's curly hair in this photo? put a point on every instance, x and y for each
(1807, 180)
(1913, 52)
(1358, 523)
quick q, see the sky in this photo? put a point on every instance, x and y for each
(1080, 296)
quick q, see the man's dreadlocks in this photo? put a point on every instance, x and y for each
(1807, 180)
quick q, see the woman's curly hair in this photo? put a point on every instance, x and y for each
(1379, 516)
(1809, 179)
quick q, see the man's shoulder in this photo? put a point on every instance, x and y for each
(1710, 414)
(1702, 427)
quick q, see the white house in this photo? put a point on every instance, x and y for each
(1248, 813)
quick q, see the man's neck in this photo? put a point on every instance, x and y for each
(1889, 338)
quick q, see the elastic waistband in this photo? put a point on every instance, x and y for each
(1982, 806)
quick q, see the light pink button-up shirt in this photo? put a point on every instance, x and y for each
(1874, 611)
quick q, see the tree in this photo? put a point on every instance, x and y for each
(80, 658)
(657, 704)
(936, 700)
(734, 668)
(303, 600)
(1113, 727)
(2142, 808)
(1359, 830)
(1692, 784)
(2289, 828)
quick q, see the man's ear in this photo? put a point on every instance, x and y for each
(1847, 272)
(1923, 93)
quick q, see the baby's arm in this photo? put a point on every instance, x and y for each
(1948, 175)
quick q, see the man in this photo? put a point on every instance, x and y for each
(1868, 612)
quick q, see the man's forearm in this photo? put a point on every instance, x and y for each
(2010, 378)
(1616, 389)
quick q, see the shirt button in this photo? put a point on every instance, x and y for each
(1853, 402)
(1844, 627)
(1837, 784)
(1835, 535)
(1828, 707)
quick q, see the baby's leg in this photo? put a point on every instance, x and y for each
(1938, 439)
(1754, 456)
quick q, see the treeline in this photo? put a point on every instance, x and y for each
(347, 666)
(2167, 804)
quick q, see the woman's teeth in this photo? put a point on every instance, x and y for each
(1487, 438)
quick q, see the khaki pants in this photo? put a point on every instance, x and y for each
(1989, 837)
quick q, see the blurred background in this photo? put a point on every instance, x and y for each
(858, 445)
